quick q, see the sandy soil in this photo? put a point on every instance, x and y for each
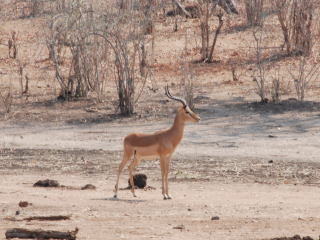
(258, 172)
(255, 166)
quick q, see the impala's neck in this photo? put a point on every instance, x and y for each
(177, 129)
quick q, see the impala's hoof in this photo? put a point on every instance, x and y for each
(115, 196)
(169, 198)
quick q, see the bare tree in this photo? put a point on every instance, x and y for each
(296, 18)
(206, 11)
(254, 12)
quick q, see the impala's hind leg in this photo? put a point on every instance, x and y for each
(126, 156)
(135, 162)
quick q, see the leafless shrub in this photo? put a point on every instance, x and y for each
(237, 69)
(276, 88)
(128, 41)
(28, 8)
(6, 100)
(12, 45)
(296, 19)
(260, 77)
(35, 7)
(186, 84)
(21, 67)
(254, 12)
(87, 68)
(26, 89)
(304, 76)
(61, 5)
(13, 9)
(235, 77)
(103, 46)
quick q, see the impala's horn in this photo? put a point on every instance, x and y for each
(168, 94)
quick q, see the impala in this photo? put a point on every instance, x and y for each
(162, 144)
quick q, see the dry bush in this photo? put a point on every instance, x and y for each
(303, 76)
(254, 12)
(260, 74)
(12, 9)
(296, 19)
(186, 84)
(276, 88)
(128, 41)
(69, 33)
(91, 48)
(28, 8)
(6, 100)
(268, 84)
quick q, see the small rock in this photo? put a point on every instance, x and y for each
(47, 183)
(214, 218)
(88, 186)
(270, 161)
(189, 209)
(307, 238)
(180, 227)
(23, 204)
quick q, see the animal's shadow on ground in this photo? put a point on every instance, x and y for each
(120, 200)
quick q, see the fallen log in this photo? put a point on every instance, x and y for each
(40, 234)
(55, 184)
(48, 218)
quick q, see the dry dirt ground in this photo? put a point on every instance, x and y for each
(258, 172)
(254, 166)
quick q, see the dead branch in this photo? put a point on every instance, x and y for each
(183, 9)
(56, 184)
(40, 234)
(40, 218)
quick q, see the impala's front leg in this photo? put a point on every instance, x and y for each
(162, 167)
(166, 173)
(126, 157)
